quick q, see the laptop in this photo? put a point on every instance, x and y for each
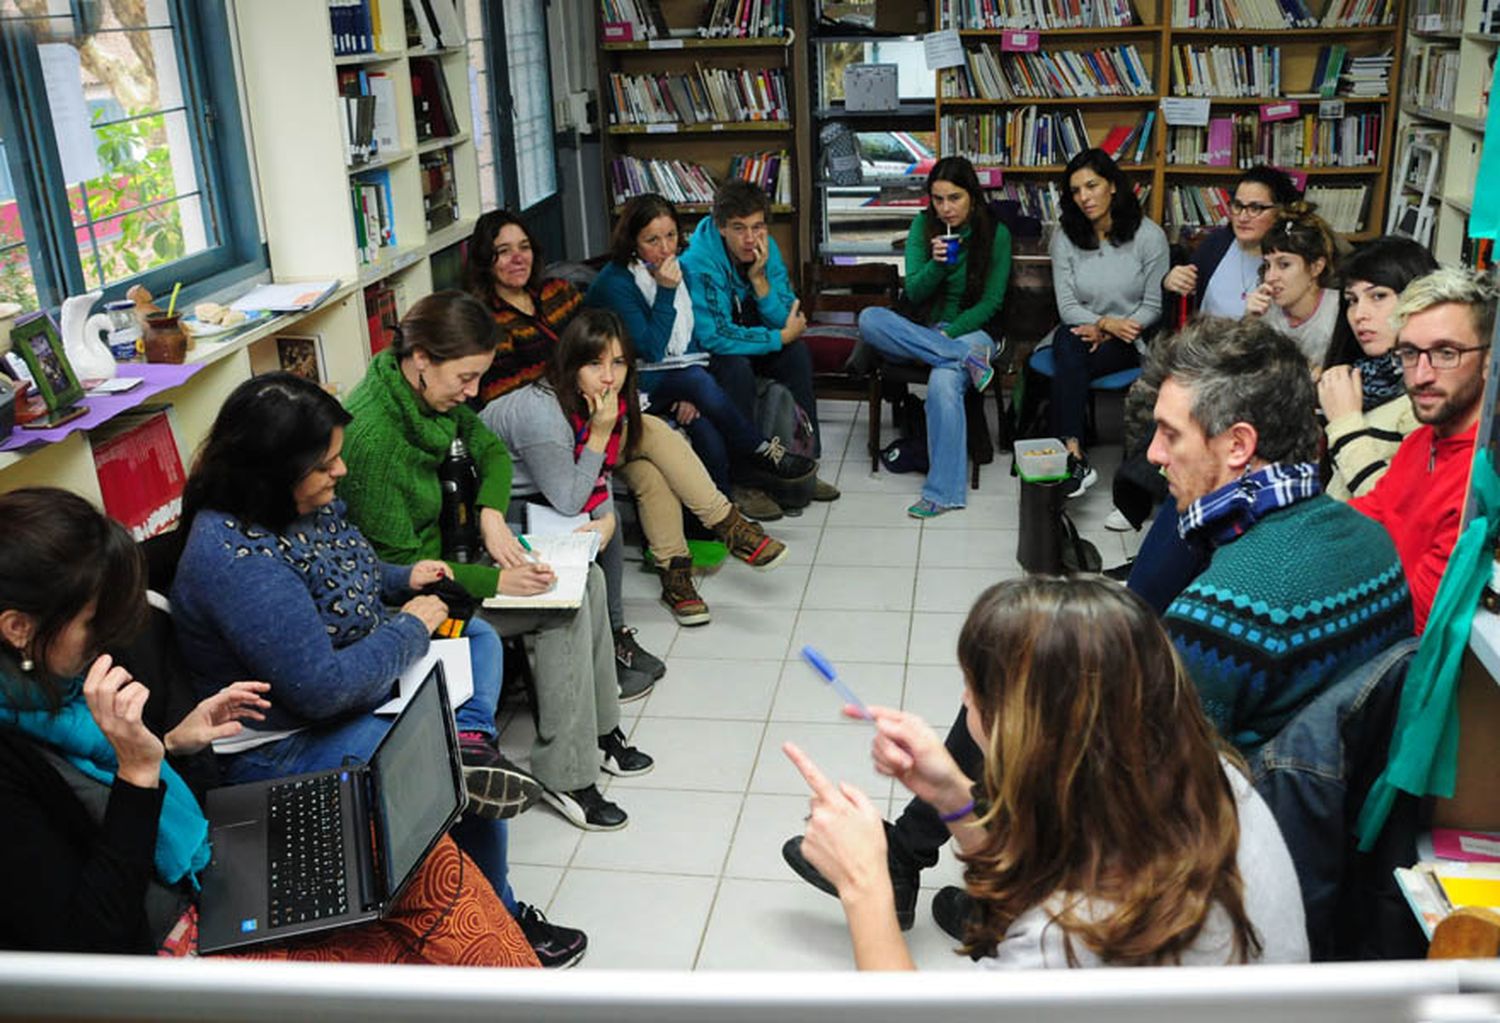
(313, 852)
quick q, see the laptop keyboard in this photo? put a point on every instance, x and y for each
(306, 851)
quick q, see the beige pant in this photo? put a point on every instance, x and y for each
(666, 476)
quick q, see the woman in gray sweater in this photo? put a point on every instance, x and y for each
(1108, 262)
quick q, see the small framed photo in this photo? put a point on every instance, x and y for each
(40, 346)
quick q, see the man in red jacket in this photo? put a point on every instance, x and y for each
(1445, 321)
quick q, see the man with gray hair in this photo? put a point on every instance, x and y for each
(1298, 588)
(1444, 322)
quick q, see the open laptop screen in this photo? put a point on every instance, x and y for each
(416, 779)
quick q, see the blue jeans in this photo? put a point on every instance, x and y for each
(895, 336)
(791, 367)
(355, 738)
(738, 436)
(1073, 366)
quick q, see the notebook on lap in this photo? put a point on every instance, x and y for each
(311, 852)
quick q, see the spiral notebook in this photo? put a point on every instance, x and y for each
(570, 555)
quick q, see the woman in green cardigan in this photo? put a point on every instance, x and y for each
(407, 412)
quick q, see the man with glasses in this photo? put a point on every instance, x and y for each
(1444, 323)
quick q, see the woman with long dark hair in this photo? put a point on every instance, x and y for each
(1108, 262)
(957, 268)
(1110, 827)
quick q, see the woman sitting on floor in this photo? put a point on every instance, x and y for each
(109, 838)
(1110, 827)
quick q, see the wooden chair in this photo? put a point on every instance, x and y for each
(833, 297)
(1470, 932)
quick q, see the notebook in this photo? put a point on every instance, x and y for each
(313, 852)
(569, 555)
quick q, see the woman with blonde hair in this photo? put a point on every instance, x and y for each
(1110, 827)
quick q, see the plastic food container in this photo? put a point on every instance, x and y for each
(1042, 459)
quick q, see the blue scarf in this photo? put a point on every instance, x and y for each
(182, 848)
(1227, 513)
(1381, 379)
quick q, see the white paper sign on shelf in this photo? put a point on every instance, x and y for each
(943, 49)
(63, 78)
(1185, 110)
(1330, 109)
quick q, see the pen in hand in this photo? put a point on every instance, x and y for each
(824, 667)
(530, 554)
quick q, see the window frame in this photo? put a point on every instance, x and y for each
(221, 160)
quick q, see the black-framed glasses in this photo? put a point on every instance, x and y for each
(1255, 209)
(1439, 356)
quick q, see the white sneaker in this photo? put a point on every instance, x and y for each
(1118, 523)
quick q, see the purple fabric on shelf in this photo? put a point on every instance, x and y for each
(155, 377)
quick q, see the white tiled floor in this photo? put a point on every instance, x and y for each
(696, 880)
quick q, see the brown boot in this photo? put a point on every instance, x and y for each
(747, 541)
(679, 593)
(756, 503)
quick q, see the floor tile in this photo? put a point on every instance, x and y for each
(742, 586)
(635, 921)
(860, 588)
(693, 753)
(870, 547)
(669, 833)
(542, 838)
(804, 696)
(955, 589)
(969, 548)
(533, 884)
(934, 638)
(858, 509)
(775, 925)
(699, 688)
(801, 541)
(766, 822)
(855, 477)
(878, 636)
(842, 754)
(985, 510)
(739, 632)
(934, 692)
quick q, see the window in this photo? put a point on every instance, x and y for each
(491, 194)
(123, 147)
(531, 92)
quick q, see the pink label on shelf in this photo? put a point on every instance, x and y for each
(989, 177)
(1299, 178)
(1020, 42)
(619, 32)
(1280, 111)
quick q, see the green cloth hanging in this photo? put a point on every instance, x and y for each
(1484, 215)
(1424, 747)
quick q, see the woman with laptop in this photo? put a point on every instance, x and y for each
(113, 838)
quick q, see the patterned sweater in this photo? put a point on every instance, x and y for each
(303, 609)
(1280, 613)
(524, 342)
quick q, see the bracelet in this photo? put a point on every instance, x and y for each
(959, 814)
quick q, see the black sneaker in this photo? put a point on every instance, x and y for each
(556, 947)
(904, 878)
(777, 461)
(953, 908)
(587, 808)
(498, 789)
(1081, 476)
(634, 685)
(628, 654)
(620, 758)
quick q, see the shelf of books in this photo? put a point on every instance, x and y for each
(1450, 50)
(697, 92)
(1268, 81)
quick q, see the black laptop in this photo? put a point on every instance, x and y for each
(312, 852)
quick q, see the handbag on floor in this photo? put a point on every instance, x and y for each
(1050, 543)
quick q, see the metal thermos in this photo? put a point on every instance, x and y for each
(458, 520)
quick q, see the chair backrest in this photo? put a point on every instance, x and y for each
(841, 288)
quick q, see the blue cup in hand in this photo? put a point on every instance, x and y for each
(950, 254)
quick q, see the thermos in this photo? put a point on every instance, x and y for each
(460, 482)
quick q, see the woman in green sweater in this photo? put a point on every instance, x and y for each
(407, 412)
(957, 267)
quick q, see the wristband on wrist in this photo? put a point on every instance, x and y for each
(959, 814)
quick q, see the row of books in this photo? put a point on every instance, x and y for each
(1243, 140)
(992, 14)
(355, 25)
(439, 189)
(369, 125)
(1194, 206)
(704, 95)
(1129, 143)
(772, 172)
(1338, 73)
(433, 24)
(1242, 14)
(374, 214)
(643, 16)
(432, 105)
(1432, 76)
(1020, 137)
(1107, 71)
(688, 183)
(1359, 13)
(1435, 15)
(742, 19)
(1251, 70)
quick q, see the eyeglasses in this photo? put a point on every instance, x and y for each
(1254, 209)
(1440, 357)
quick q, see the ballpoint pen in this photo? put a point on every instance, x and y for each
(824, 667)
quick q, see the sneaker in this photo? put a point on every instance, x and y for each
(680, 595)
(587, 808)
(622, 760)
(952, 909)
(1118, 523)
(927, 509)
(629, 655)
(498, 789)
(785, 465)
(556, 947)
(747, 541)
(634, 685)
(824, 491)
(981, 372)
(755, 503)
(904, 878)
(1080, 476)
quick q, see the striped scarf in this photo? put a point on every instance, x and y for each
(611, 453)
(1228, 513)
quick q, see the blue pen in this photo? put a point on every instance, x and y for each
(824, 667)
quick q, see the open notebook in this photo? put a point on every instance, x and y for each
(570, 555)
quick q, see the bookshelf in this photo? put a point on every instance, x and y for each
(681, 112)
(1258, 64)
(1450, 46)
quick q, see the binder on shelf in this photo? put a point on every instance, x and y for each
(440, 206)
(140, 470)
(353, 27)
(381, 316)
(432, 106)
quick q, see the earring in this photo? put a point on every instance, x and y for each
(24, 659)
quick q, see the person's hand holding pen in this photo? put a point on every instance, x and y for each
(528, 578)
(499, 542)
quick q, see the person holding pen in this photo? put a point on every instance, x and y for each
(1114, 829)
